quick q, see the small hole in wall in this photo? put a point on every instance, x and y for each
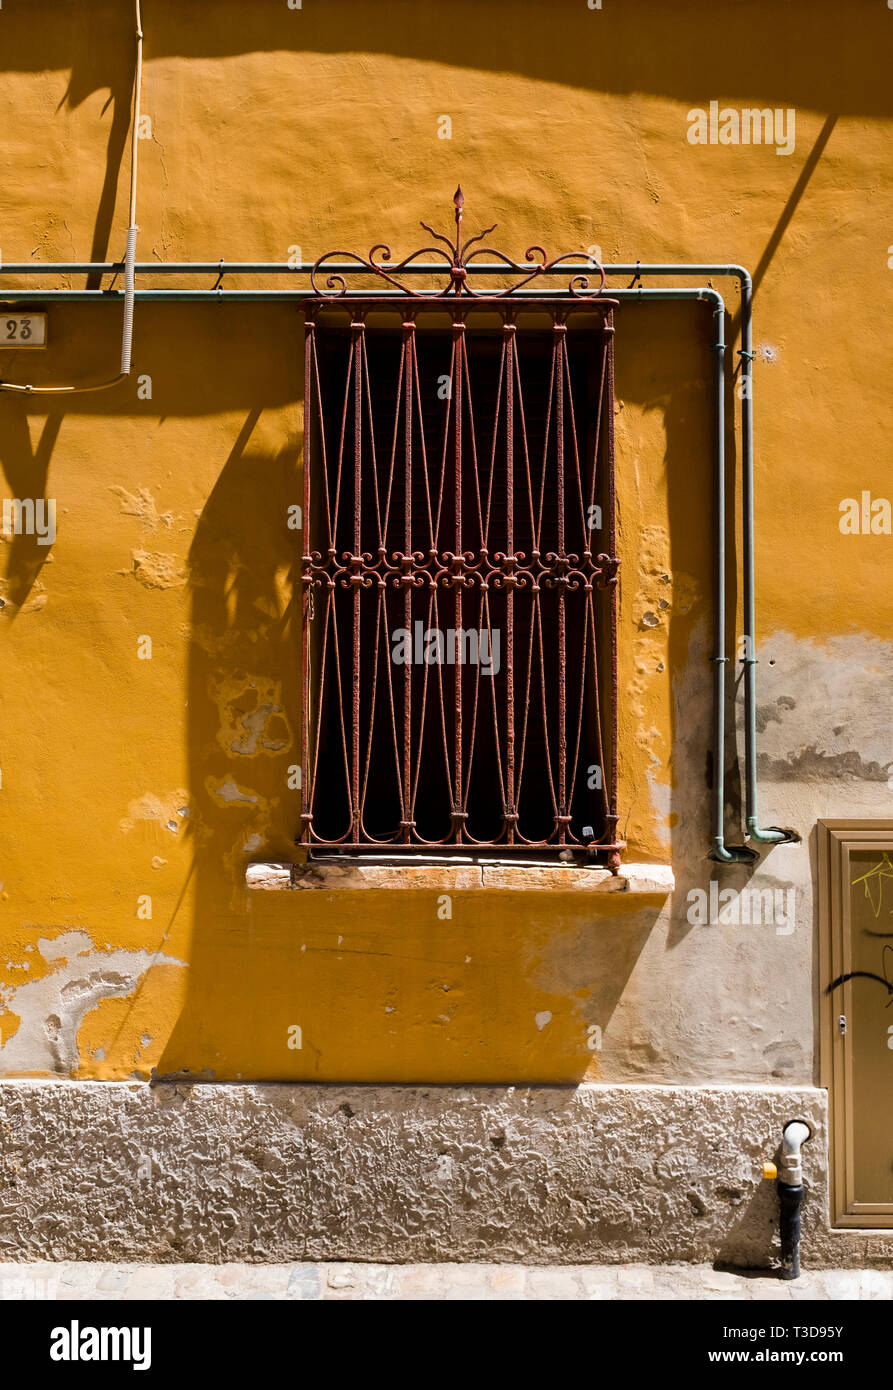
(497, 1140)
(772, 661)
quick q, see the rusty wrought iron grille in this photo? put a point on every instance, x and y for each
(459, 577)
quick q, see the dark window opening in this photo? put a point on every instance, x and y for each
(459, 581)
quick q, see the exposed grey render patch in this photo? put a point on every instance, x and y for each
(53, 1008)
(230, 792)
(767, 713)
(255, 725)
(810, 764)
(169, 1172)
(824, 711)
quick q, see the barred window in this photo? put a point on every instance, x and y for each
(459, 580)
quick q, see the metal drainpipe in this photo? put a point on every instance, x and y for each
(719, 851)
(774, 834)
(723, 853)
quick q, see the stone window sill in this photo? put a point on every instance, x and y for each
(651, 880)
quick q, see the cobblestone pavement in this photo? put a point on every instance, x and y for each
(428, 1281)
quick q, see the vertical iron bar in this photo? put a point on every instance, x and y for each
(560, 330)
(594, 624)
(409, 355)
(358, 330)
(459, 788)
(612, 817)
(509, 331)
(307, 585)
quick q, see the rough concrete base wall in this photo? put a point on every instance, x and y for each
(123, 1171)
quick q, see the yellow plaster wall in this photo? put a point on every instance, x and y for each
(273, 128)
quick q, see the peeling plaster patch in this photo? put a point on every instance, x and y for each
(52, 1009)
(542, 1019)
(836, 692)
(156, 571)
(252, 843)
(158, 862)
(142, 505)
(256, 724)
(252, 716)
(228, 792)
(660, 594)
(661, 795)
(809, 764)
(62, 947)
(150, 807)
(766, 714)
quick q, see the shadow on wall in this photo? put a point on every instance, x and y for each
(26, 467)
(650, 47)
(508, 988)
(665, 366)
(99, 56)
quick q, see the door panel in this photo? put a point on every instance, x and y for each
(856, 912)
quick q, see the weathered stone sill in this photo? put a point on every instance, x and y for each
(651, 880)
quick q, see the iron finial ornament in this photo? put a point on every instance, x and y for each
(456, 256)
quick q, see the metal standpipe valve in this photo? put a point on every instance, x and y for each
(790, 1194)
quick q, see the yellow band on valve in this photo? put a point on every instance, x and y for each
(770, 1171)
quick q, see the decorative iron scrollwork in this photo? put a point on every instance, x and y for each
(456, 259)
